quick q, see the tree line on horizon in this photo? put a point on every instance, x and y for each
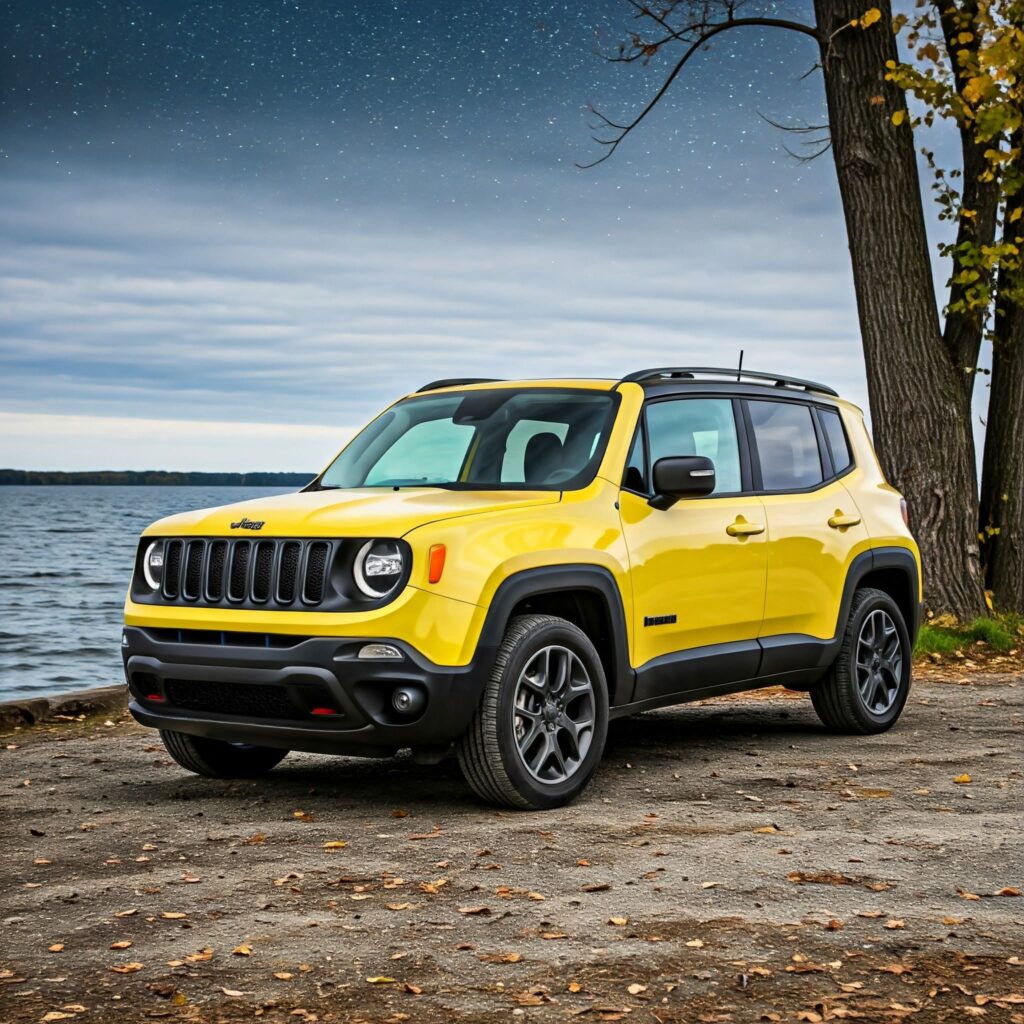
(152, 478)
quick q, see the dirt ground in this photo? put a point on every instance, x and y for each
(730, 862)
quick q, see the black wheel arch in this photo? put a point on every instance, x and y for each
(586, 595)
(892, 570)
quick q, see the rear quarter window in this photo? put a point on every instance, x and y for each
(835, 437)
(787, 445)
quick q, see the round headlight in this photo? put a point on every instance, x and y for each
(153, 564)
(378, 568)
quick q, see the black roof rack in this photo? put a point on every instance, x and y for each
(669, 373)
(453, 382)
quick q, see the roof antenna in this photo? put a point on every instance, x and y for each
(739, 369)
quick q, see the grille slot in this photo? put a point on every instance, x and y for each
(193, 585)
(284, 573)
(215, 570)
(316, 572)
(244, 699)
(238, 585)
(291, 552)
(262, 571)
(172, 568)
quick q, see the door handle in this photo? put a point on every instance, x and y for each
(839, 520)
(741, 528)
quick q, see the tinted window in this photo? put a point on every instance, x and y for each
(697, 426)
(836, 437)
(787, 445)
(432, 450)
(635, 478)
(491, 438)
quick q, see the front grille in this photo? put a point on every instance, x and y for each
(231, 698)
(282, 573)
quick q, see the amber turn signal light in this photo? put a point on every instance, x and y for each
(436, 563)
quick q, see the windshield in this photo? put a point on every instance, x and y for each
(544, 438)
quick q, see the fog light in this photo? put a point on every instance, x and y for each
(373, 652)
(408, 701)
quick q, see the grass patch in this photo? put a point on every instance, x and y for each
(944, 636)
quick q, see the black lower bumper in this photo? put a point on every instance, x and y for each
(300, 693)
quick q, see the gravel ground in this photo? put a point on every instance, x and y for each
(730, 862)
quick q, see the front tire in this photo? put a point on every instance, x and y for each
(540, 729)
(868, 684)
(219, 760)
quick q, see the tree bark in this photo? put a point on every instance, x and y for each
(920, 409)
(1002, 480)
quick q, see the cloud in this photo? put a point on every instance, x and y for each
(147, 301)
(57, 441)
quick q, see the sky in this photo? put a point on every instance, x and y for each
(231, 233)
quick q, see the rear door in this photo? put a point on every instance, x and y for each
(698, 581)
(814, 527)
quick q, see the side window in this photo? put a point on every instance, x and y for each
(430, 451)
(836, 438)
(787, 445)
(697, 426)
(635, 477)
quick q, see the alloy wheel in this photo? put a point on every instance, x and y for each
(553, 714)
(879, 662)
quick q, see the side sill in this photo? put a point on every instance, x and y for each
(798, 679)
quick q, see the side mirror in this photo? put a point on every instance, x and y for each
(683, 476)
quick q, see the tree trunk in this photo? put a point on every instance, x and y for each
(919, 407)
(1002, 480)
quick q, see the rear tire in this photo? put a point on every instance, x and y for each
(868, 684)
(539, 731)
(219, 760)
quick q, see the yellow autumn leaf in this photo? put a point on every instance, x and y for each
(380, 980)
(962, 780)
(869, 17)
(618, 921)
(243, 950)
(898, 117)
(336, 844)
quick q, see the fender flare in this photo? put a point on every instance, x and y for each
(548, 579)
(901, 559)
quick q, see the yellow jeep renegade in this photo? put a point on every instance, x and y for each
(500, 567)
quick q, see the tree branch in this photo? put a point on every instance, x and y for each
(705, 32)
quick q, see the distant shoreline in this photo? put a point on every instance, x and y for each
(151, 478)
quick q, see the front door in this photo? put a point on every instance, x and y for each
(698, 568)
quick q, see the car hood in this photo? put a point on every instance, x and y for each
(345, 513)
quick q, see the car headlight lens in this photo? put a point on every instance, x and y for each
(153, 564)
(378, 568)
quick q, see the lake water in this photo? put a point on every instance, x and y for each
(66, 557)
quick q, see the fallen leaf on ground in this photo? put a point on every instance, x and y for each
(499, 958)
(894, 923)
(380, 980)
(173, 915)
(474, 910)
(121, 944)
(243, 950)
(618, 921)
(962, 780)
(635, 989)
(130, 968)
(57, 947)
(335, 844)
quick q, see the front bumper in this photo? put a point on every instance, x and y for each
(299, 693)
